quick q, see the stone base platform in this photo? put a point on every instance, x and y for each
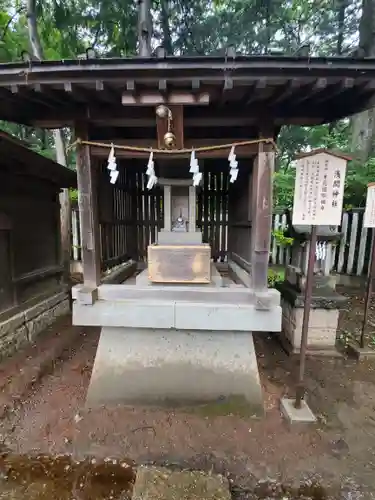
(177, 307)
(22, 327)
(323, 322)
(179, 368)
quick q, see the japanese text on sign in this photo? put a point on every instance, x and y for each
(369, 217)
(319, 190)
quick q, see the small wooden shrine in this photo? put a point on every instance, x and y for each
(175, 158)
(32, 292)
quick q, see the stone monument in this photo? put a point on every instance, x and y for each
(326, 302)
(179, 255)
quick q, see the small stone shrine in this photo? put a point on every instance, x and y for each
(326, 302)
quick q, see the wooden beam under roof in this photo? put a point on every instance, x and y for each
(152, 98)
(53, 95)
(335, 90)
(106, 94)
(29, 94)
(250, 95)
(317, 87)
(286, 91)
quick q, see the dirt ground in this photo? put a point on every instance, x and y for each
(338, 452)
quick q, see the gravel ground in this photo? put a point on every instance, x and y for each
(263, 458)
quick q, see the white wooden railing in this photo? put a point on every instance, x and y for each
(350, 255)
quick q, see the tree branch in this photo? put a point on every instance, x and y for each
(6, 27)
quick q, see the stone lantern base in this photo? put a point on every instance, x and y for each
(323, 321)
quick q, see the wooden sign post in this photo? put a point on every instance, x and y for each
(318, 199)
(369, 222)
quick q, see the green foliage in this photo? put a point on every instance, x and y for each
(275, 276)
(73, 195)
(335, 136)
(68, 27)
(281, 239)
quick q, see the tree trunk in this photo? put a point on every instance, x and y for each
(35, 44)
(341, 25)
(363, 124)
(165, 26)
(144, 28)
(65, 208)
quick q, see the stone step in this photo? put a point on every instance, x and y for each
(159, 483)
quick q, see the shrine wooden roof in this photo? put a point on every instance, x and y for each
(240, 91)
(17, 159)
(326, 151)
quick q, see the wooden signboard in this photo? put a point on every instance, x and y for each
(319, 189)
(369, 217)
(179, 263)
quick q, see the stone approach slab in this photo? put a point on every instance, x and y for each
(159, 483)
(175, 368)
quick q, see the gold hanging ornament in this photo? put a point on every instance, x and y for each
(169, 140)
(169, 137)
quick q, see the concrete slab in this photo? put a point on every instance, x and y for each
(184, 293)
(128, 313)
(301, 416)
(206, 315)
(159, 483)
(238, 317)
(176, 368)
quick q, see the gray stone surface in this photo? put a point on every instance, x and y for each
(239, 274)
(322, 329)
(120, 273)
(87, 296)
(46, 319)
(176, 238)
(138, 313)
(159, 483)
(23, 327)
(360, 353)
(196, 292)
(320, 299)
(204, 315)
(301, 416)
(240, 317)
(163, 367)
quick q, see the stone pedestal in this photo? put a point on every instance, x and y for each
(323, 321)
(179, 368)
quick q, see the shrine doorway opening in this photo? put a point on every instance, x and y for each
(130, 215)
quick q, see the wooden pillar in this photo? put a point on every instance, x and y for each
(192, 209)
(167, 208)
(262, 217)
(88, 210)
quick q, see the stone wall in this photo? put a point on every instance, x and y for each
(24, 326)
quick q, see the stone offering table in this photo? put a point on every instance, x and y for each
(179, 255)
